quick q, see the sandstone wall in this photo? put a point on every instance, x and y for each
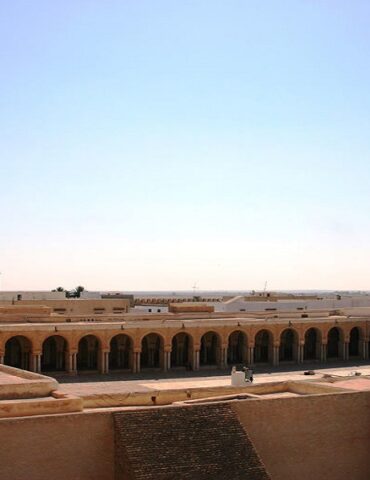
(321, 437)
(57, 447)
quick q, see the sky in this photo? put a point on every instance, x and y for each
(160, 145)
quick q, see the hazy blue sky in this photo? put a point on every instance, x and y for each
(154, 144)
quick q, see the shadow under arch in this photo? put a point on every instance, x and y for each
(121, 352)
(237, 351)
(181, 352)
(88, 353)
(210, 349)
(288, 350)
(18, 352)
(263, 347)
(54, 351)
(335, 344)
(152, 351)
(312, 344)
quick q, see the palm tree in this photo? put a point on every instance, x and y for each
(79, 290)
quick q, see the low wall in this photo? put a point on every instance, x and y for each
(58, 447)
(321, 437)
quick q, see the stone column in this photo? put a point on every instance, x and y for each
(137, 358)
(102, 361)
(36, 362)
(196, 359)
(167, 360)
(323, 353)
(223, 360)
(2, 358)
(275, 360)
(250, 359)
(106, 361)
(365, 349)
(345, 350)
(71, 362)
(300, 356)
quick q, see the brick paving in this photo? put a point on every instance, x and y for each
(185, 443)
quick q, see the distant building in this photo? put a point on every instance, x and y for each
(17, 295)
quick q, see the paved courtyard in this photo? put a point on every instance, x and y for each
(92, 384)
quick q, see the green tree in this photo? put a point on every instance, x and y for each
(79, 290)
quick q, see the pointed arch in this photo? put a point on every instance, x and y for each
(210, 349)
(312, 344)
(18, 352)
(288, 350)
(54, 350)
(121, 352)
(88, 353)
(335, 343)
(263, 347)
(354, 342)
(152, 348)
(181, 351)
(237, 348)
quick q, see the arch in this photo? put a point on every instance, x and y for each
(181, 350)
(152, 351)
(288, 350)
(263, 347)
(18, 352)
(335, 343)
(182, 347)
(88, 353)
(210, 349)
(354, 342)
(237, 348)
(121, 352)
(54, 351)
(312, 344)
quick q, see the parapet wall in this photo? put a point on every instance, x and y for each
(321, 437)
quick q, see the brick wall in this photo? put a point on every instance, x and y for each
(194, 442)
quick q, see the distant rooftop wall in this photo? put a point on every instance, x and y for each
(292, 305)
(190, 307)
(29, 295)
(74, 306)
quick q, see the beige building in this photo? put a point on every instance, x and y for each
(288, 430)
(72, 336)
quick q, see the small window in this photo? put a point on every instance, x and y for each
(99, 311)
(158, 310)
(59, 310)
(150, 310)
